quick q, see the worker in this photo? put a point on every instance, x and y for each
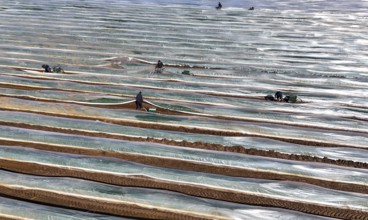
(139, 101)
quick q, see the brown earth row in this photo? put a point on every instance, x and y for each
(357, 118)
(355, 106)
(189, 129)
(134, 123)
(186, 188)
(10, 217)
(196, 145)
(97, 204)
(195, 166)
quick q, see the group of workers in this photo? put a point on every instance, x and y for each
(55, 69)
(280, 98)
(219, 6)
(278, 95)
(160, 66)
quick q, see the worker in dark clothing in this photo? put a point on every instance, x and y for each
(159, 68)
(269, 98)
(139, 101)
(278, 96)
(159, 64)
(219, 6)
(47, 68)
